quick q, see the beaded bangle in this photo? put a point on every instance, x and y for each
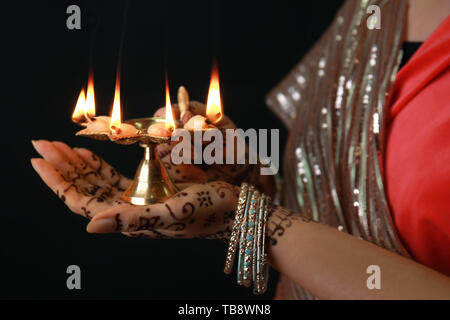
(242, 242)
(231, 252)
(249, 232)
(264, 278)
(257, 245)
(248, 257)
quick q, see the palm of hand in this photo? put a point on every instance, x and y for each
(92, 188)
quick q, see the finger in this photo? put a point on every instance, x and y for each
(174, 214)
(229, 173)
(184, 185)
(51, 154)
(152, 234)
(85, 170)
(165, 150)
(196, 108)
(49, 173)
(129, 218)
(54, 155)
(181, 172)
(67, 191)
(199, 108)
(183, 214)
(185, 173)
(57, 158)
(106, 171)
(161, 112)
(80, 164)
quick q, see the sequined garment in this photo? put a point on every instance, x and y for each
(335, 104)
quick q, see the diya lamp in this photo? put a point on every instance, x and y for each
(84, 113)
(151, 183)
(119, 130)
(166, 128)
(214, 111)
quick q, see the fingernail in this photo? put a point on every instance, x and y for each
(35, 145)
(106, 225)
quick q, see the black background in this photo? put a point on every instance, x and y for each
(43, 68)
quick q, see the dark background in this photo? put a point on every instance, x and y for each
(43, 68)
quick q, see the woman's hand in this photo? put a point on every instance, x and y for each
(230, 173)
(92, 188)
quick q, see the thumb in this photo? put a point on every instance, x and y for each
(128, 218)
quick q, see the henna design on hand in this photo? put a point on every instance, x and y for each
(210, 220)
(223, 235)
(229, 216)
(180, 195)
(222, 187)
(87, 174)
(204, 198)
(164, 153)
(147, 223)
(119, 225)
(182, 216)
(62, 197)
(176, 226)
(117, 184)
(93, 190)
(279, 219)
(86, 212)
(159, 235)
(188, 210)
(98, 199)
(89, 186)
(79, 180)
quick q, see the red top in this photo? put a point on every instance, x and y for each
(417, 163)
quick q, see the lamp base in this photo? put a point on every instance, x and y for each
(151, 182)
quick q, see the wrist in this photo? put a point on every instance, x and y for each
(278, 221)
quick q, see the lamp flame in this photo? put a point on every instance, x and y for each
(85, 107)
(214, 110)
(90, 97)
(79, 113)
(170, 122)
(116, 116)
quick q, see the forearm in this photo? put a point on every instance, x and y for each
(332, 264)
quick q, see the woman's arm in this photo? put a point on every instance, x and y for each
(333, 265)
(329, 263)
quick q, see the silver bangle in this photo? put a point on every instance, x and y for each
(232, 246)
(243, 233)
(249, 253)
(249, 233)
(264, 266)
(257, 249)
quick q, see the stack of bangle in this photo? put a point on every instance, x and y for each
(249, 233)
